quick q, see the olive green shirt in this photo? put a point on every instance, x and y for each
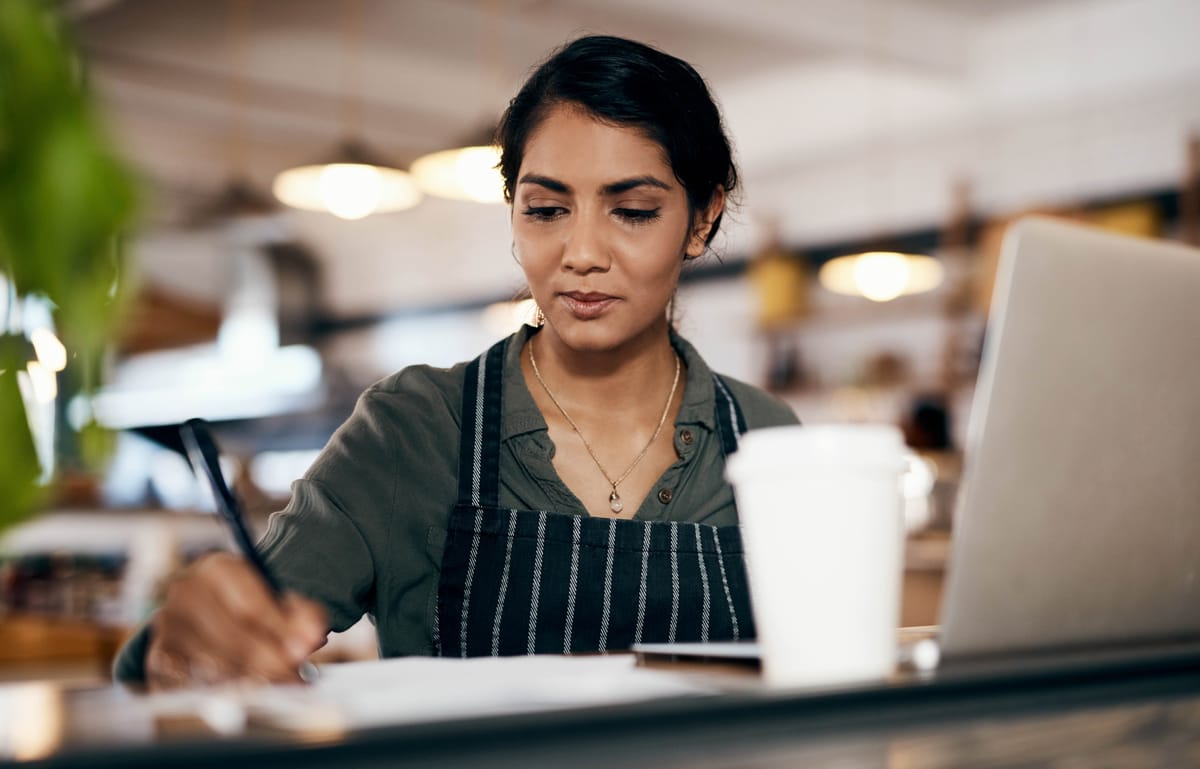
(365, 528)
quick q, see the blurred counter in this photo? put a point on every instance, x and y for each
(74, 582)
(925, 557)
(1141, 711)
(52, 648)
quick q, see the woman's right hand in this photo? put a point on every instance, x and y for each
(219, 622)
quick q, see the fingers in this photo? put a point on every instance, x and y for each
(306, 626)
(220, 622)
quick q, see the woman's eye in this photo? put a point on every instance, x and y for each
(544, 213)
(637, 215)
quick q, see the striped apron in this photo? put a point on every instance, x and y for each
(535, 582)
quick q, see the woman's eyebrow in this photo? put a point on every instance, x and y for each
(625, 185)
(612, 188)
(554, 185)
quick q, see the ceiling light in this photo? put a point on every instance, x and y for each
(355, 182)
(465, 173)
(353, 185)
(881, 275)
(239, 199)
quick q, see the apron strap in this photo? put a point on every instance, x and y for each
(730, 420)
(479, 444)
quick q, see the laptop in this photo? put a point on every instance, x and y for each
(1078, 524)
(1077, 533)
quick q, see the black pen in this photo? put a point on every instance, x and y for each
(205, 459)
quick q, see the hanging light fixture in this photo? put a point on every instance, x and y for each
(355, 182)
(471, 170)
(881, 276)
(465, 173)
(239, 197)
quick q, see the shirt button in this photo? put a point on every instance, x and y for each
(665, 495)
(687, 437)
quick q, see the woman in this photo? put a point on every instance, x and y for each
(562, 493)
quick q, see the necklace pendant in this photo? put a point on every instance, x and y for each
(614, 502)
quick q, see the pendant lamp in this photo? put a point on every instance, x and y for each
(464, 173)
(354, 181)
(239, 197)
(881, 276)
(884, 274)
(471, 170)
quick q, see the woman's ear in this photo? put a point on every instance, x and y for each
(703, 223)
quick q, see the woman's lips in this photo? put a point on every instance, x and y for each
(587, 305)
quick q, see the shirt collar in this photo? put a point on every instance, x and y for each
(521, 414)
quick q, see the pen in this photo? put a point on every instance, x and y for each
(205, 459)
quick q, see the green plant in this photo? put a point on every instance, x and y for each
(64, 199)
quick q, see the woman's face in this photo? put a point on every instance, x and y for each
(601, 227)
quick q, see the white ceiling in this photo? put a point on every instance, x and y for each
(849, 116)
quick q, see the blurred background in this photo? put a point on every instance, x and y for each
(884, 146)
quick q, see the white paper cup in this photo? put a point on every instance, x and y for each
(822, 521)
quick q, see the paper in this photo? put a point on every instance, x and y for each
(360, 695)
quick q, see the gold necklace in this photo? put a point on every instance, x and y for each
(614, 499)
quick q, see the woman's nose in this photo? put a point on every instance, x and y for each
(586, 249)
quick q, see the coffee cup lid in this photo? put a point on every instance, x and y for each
(794, 448)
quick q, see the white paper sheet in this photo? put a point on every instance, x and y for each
(360, 695)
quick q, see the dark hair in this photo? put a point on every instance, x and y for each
(630, 84)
